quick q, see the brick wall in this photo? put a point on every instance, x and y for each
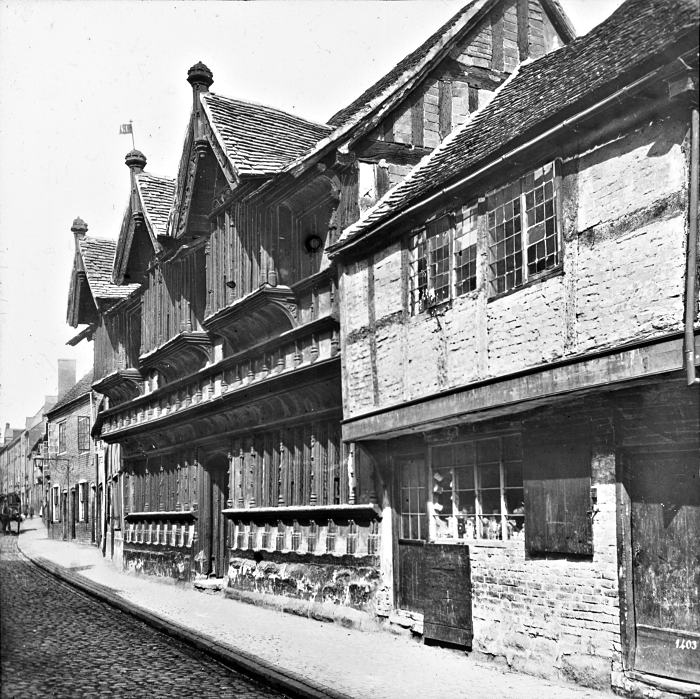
(82, 469)
(623, 212)
(555, 617)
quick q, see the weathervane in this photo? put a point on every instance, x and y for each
(128, 128)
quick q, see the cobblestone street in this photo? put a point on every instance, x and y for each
(49, 646)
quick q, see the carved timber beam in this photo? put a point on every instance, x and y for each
(185, 354)
(121, 385)
(267, 312)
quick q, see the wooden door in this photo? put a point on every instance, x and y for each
(665, 532)
(219, 494)
(411, 487)
(448, 602)
(212, 524)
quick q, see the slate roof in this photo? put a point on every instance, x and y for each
(76, 391)
(631, 40)
(157, 196)
(259, 140)
(469, 15)
(98, 260)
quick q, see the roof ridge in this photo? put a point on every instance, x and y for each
(157, 177)
(269, 107)
(339, 118)
(511, 113)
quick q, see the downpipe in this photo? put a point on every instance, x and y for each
(691, 298)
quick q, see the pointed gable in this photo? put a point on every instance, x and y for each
(146, 217)
(434, 48)
(259, 140)
(92, 288)
(638, 35)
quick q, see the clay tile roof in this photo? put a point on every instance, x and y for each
(157, 196)
(469, 15)
(633, 39)
(98, 260)
(77, 390)
(260, 140)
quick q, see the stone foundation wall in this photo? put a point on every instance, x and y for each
(160, 561)
(347, 582)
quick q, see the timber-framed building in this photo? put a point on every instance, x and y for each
(221, 365)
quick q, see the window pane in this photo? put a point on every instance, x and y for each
(542, 240)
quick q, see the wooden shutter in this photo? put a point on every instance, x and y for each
(557, 482)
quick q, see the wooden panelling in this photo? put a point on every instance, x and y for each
(557, 482)
(447, 589)
(174, 299)
(445, 108)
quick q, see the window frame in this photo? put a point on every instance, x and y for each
(423, 293)
(55, 503)
(83, 500)
(83, 433)
(449, 531)
(62, 441)
(525, 227)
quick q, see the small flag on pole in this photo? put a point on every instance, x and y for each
(128, 128)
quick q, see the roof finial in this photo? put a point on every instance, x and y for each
(199, 76)
(135, 160)
(79, 228)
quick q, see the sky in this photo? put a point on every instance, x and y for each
(71, 72)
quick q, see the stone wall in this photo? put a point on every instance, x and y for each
(159, 560)
(622, 280)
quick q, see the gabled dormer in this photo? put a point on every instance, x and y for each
(145, 221)
(230, 144)
(92, 291)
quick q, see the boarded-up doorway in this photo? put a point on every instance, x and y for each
(665, 533)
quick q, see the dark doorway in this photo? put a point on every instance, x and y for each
(73, 512)
(213, 529)
(411, 483)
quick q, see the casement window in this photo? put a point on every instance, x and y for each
(55, 503)
(477, 489)
(83, 502)
(83, 433)
(443, 259)
(62, 444)
(523, 230)
(412, 499)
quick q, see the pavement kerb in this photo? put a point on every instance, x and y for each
(251, 665)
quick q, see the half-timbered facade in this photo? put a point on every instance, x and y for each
(519, 322)
(222, 370)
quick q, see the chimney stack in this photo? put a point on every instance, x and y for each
(66, 376)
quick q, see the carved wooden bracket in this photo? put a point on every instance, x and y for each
(121, 385)
(185, 354)
(268, 311)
